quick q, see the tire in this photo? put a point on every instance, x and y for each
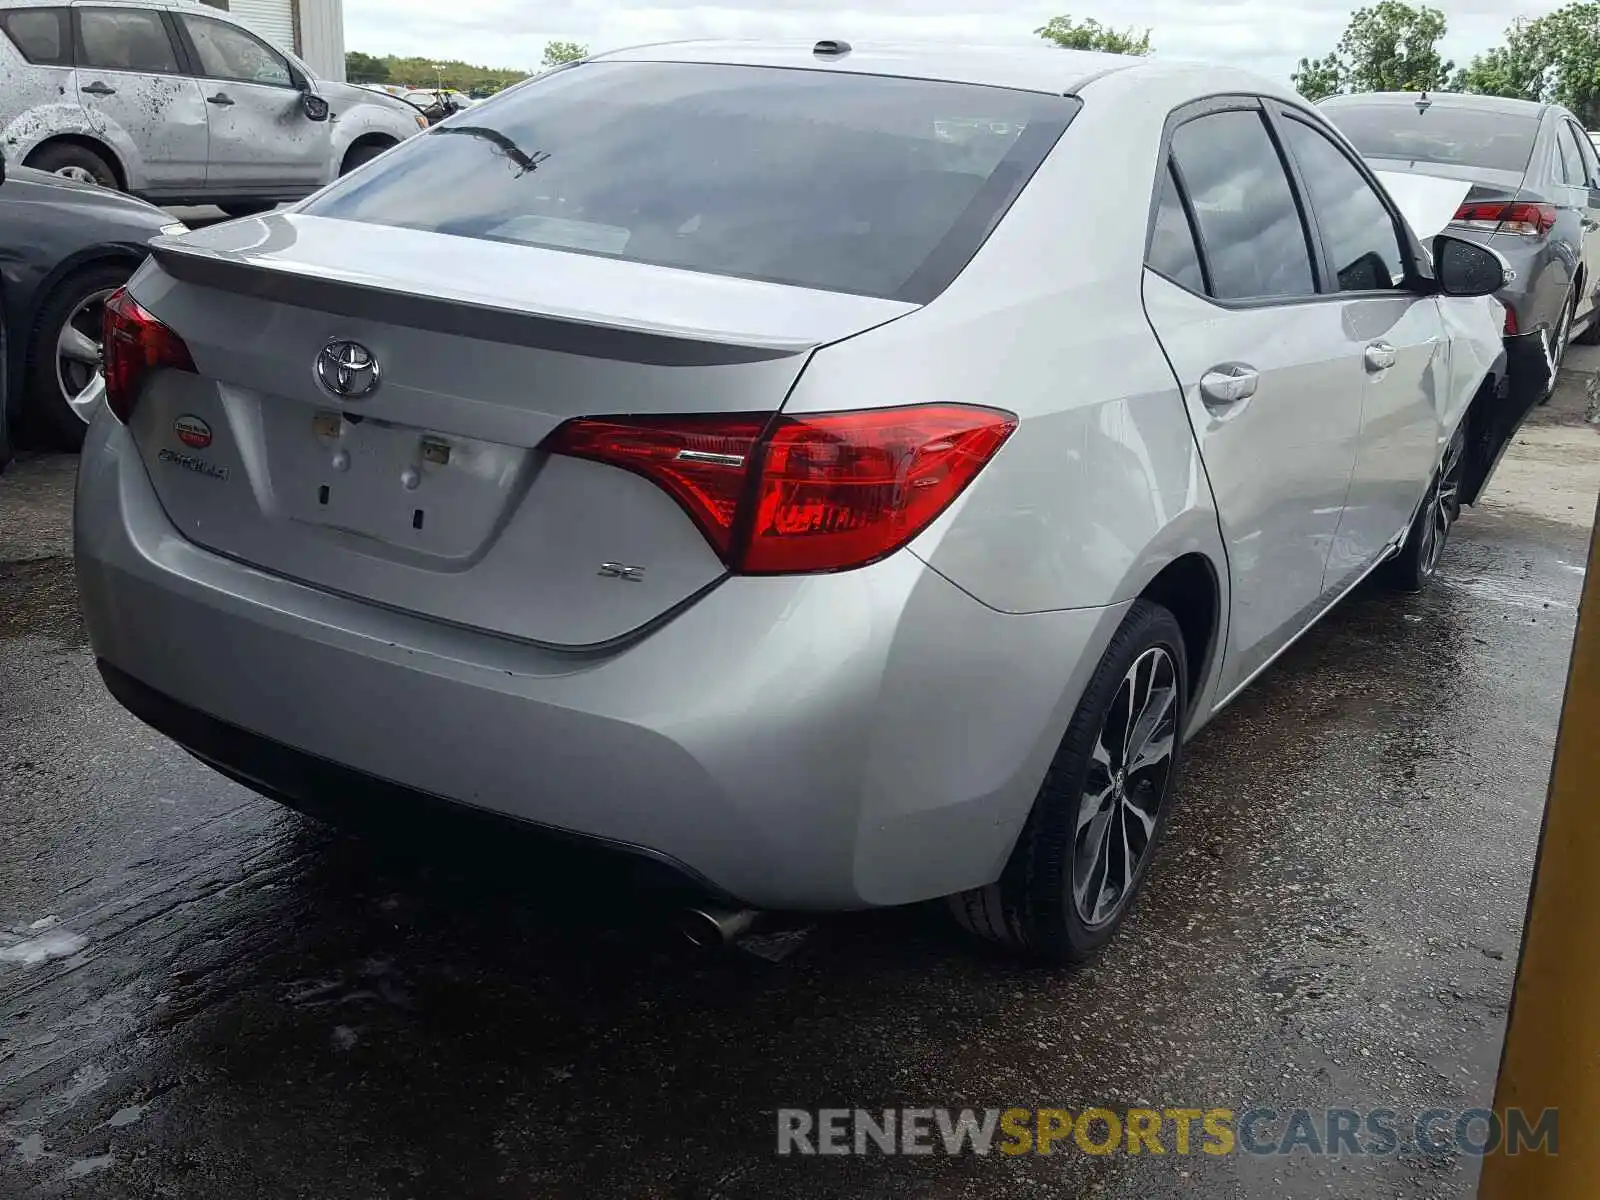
(1591, 332)
(248, 208)
(1418, 560)
(74, 162)
(360, 156)
(1563, 337)
(1045, 904)
(48, 377)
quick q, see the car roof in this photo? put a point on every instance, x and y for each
(1498, 104)
(1028, 68)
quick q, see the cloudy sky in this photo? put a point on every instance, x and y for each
(1267, 35)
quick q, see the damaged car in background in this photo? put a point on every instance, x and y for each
(1520, 177)
(825, 547)
(180, 104)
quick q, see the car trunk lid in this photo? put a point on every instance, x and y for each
(428, 492)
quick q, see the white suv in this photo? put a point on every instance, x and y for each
(177, 103)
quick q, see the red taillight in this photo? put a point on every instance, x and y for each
(808, 493)
(135, 344)
(1498, 216)
(1511, 321)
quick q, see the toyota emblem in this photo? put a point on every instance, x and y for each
(347, 369)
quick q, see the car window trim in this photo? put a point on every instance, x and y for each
(1563, 148)
(1577, 140)
(1195, 110)
(1587, 154)
(197, 67)
(65, 22)
(1181, 191)
(1398, 226)
(80, 58)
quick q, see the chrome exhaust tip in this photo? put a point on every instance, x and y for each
(711, 928)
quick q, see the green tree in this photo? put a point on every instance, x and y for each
(1519, 69)
(1091, 35)
(556, 53)
(364, 68)
(1554, 58)
(1389, 47)
(424, 73)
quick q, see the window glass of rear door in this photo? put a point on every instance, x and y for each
(1252, 237)
(1172, 249)
(125, 39)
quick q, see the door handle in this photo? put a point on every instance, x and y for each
(98, 89)
(1379, 357)
(221, 98)
(1228, 384)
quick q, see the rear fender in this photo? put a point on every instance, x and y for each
(38, 125)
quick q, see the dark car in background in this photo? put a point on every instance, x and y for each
(64, 247)
(1530, 188)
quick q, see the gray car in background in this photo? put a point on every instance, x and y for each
(1530, 189)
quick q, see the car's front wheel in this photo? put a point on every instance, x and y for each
(1088, 842)
(65, 384)
(1418, 560)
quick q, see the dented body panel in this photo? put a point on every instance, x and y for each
(186, 138)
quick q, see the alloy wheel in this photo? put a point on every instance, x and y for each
(1125, 786)
(78, 356)
(1444, 505)
(77, 174)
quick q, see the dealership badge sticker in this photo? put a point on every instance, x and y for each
(192, 431)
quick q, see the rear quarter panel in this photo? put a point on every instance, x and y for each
(1101, 485)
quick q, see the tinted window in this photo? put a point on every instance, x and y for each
(854, 183)
(226, 52)
(1356, 228)
(1255, 244)
(40, 34)
(1569, 162)
(1591, 169)
(125, 39)
(1172, 249)
(1466, 137)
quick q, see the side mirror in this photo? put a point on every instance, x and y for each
(1465, 268)
(316, 108)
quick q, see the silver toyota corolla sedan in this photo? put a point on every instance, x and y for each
(843, 476)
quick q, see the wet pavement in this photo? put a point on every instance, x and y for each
(204, 995)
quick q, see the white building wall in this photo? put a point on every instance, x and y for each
(322, 36)
(272, 19)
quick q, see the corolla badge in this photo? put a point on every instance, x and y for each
(347, 369)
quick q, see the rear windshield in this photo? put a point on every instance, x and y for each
(854, 183)
(1463, 137)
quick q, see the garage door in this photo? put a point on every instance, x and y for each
(272, 19)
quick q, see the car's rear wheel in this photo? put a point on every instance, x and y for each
(1591, 332)
(65, 384)
(72, 161)
(1418, 560)
(1095, 824)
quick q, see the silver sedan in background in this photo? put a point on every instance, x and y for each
(844, 477)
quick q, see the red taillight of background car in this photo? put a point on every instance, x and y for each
(825, 492)
(135, 343)
(1511, 321)
(1499, 216)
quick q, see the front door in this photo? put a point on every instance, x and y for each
(135, 93)
(1272, 388)
(1394, 333)
(261, 139)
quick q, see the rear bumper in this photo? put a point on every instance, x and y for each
(822, 742)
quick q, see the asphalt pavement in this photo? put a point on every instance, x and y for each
(204, 995)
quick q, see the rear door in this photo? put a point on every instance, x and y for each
(1397, 334)
(131, 82)
(1271, 377)
(35, 63)
(261, 138)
